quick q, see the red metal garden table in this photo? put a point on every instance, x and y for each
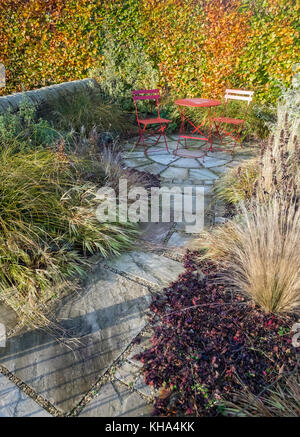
(196, 133)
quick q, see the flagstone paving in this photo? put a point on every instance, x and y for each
(91, 370)
(152, 168)
(15, 403)
(116, 400)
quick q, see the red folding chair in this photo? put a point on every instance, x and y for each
(237, 122)
(143, 123)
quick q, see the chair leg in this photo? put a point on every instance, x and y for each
(235, 134)
(138, 141)
(154, 144)
(237, 139)
(163, 128)
(141, 137)
(160, 132)
(183, 130)
(239, 136)
(218, 133)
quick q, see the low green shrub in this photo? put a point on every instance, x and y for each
(120, 74)
(23, 129)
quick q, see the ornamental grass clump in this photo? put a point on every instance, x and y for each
(47, 228)
(238, 183)
(277, 169)
(88, 110)
(276, 400)
(258, 253)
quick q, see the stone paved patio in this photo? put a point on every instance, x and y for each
(178, 171)
(92, 370)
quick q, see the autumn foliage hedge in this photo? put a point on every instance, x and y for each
(198, 47)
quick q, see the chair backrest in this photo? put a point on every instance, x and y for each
(145, 95)
(238, 95)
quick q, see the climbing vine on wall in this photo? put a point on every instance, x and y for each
(45, 42)
(198, 47)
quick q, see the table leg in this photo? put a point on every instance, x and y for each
(182, 128)
(196, 129)
(209, 129)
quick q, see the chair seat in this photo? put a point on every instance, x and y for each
(229, 120)
(154, 121)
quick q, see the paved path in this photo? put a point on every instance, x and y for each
(91, 371)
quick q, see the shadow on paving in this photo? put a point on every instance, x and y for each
(100, 322)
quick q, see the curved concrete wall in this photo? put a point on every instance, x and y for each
(42, 96)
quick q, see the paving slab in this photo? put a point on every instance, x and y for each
(134, 154)
(172, 144)
(2, 335)
(144, 344)
(155, 232)
(186, 163)
(202, 174)
(127, 373)
(15, 403)
(152, 167)
(208, 215)
(214, 162)
(136, 162)
(175, 173)
(101, 320)
(220, 155)
(155, 269)
(220, 220)
(187, 153)
(131, 375)
(131, 145)
(190, 183)
(117, 400)
(220, 170)
(219, 208)
(142, 387)
(157, 150)
(248, 154)
(181, 227)
(164, 159)
(8, 317)
(233, 164)
(180, 239)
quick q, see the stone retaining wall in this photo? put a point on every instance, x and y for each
(43, 96)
